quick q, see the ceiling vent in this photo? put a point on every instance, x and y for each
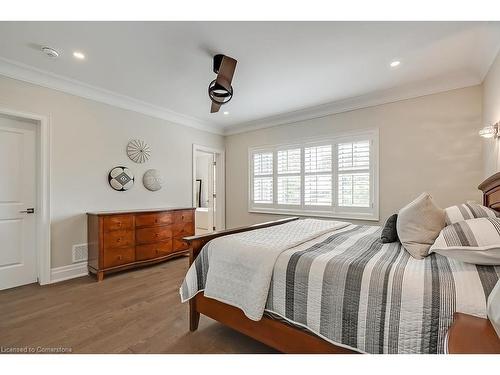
(50, 52)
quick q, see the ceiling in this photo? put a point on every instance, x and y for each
(282, 67)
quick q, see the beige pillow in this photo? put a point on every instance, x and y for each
(419, 224)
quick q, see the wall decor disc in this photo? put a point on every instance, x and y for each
(138, 151)
(121, 178)
(152, 180)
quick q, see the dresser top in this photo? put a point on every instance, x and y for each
(115, 212)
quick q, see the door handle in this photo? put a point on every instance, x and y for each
(28, 211)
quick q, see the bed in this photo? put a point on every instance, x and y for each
(337, 290)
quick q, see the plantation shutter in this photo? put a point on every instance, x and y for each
(289, 179)
(318, 176)
(263, 177)
(354, 174)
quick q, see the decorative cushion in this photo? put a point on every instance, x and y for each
(419, 224)
(473, 241)
(389, 232)
(469, 210)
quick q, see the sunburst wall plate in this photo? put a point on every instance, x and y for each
(138, 151)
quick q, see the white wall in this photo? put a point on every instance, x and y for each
(88, 139)
(491, 115)
(426, 144)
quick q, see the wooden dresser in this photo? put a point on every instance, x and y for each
(119, 240)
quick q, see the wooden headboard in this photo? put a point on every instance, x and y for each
(491, 191)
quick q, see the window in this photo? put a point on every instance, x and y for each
(332, 177)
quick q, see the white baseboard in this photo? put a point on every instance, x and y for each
(68, 272)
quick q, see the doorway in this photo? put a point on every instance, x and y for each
(208, 189)
(24, 223)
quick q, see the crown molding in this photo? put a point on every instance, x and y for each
(26, 73)
(359, 102)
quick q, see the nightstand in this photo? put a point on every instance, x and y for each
(472, 335)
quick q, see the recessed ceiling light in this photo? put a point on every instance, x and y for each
(226, 112)
(395, 63)
(79, 55)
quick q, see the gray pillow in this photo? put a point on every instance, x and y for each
(466, 211)
(389, 232)
(474, 241)
(419, 224)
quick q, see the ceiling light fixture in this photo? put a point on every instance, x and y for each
(226, 112)
(395, 63)
(489, 131)
(51, 52)
(79, 55)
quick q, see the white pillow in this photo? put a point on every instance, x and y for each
(474, 241)
(418, 225)
(465, 211)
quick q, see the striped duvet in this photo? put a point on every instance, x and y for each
(354, 291)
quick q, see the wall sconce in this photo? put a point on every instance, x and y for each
(489, 131)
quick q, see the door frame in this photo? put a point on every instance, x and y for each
(42, 235)
(220, 159)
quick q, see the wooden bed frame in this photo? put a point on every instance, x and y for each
(491, 191)
(275, 333)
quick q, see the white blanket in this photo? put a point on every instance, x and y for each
(241, 265)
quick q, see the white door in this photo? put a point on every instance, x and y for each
(17, 194)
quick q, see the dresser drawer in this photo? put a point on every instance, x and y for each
(183, 229)
(156, 250)
(118, 222)
(118, 238)
(184, 216)
(154, 234)
(179, 244)
(117, 256)
(153, 219)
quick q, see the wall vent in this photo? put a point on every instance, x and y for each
(80, 252)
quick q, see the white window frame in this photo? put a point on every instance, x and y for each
(334, 211)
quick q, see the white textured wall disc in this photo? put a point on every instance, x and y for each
(152, 180)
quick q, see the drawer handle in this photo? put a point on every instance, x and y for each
(119, 224)
(119, 257)
(118, 239)
(157, 235)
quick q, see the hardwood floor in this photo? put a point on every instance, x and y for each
(131, 312)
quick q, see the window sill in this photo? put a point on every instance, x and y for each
(332, 215)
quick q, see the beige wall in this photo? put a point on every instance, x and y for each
(88, 139)
(426, 144)
(491, 115)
